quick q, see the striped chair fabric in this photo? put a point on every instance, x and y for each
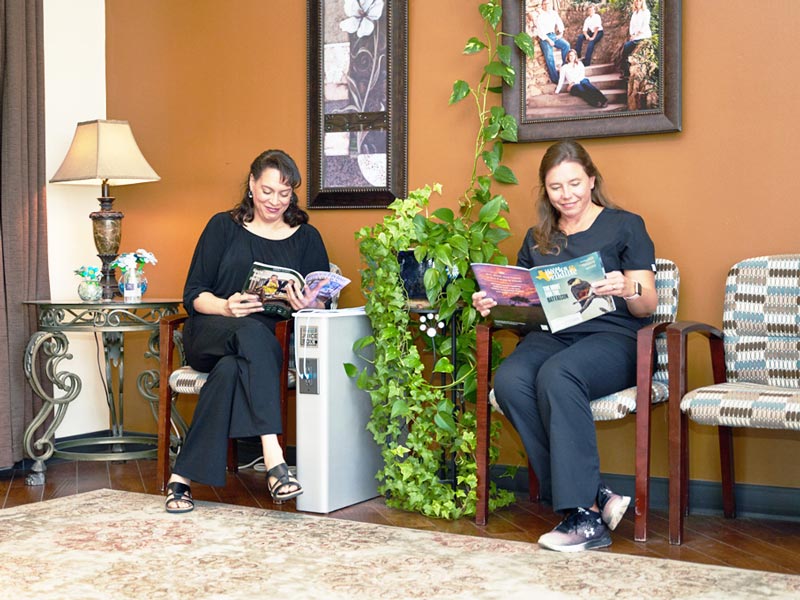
(761, 337)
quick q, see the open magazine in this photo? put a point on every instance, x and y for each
(271, 283)
(551, 297)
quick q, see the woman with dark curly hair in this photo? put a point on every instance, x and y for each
(544, 387)
(229, 336)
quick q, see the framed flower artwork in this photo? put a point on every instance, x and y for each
(357, 76)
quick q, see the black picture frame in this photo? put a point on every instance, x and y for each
(357, 104)
(536, 125)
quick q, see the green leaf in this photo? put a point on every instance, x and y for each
(504, 54)
(524, 43)
(490, 210)
(492, 13)
(460, 91)
(443, 365)
(445, 421)
(505, 175)
(350, 369)
(445, 214)
(509, 129)
(399, 408)
(496, 89)
(499, 69)
(474, 45)
(491, 160)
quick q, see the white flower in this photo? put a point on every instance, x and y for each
(361, 16)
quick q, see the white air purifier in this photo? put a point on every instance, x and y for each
(337, 458)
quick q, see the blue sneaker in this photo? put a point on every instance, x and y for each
(582, 529)
(612, 506)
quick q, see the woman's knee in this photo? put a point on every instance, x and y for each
(257, 336)
(558, 375)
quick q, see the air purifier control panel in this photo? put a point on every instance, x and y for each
(309, 336)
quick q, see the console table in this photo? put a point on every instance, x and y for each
(50, 344)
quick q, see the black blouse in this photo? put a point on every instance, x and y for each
(226, 251)
(622, 240)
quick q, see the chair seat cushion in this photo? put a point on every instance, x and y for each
(744, 405)
(186, 380)
(614, 406)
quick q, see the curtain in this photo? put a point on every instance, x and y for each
(23, 216)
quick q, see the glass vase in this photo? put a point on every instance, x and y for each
(90, 290)
(133, 285)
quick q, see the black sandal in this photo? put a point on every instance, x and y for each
(178, 492)
(283, 480)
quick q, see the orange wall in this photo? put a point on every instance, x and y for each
(207, 85)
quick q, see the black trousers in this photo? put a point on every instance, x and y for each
(544, 388)
(241, 397)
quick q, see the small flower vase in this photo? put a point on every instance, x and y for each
(133, 285)
(90, 290)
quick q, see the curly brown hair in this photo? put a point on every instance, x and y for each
(290, 175)
(549, 238)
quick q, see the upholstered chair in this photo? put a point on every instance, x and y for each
(755, 360)
(651, 389)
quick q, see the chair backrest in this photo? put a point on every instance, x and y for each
(668, 281)
(761, 321)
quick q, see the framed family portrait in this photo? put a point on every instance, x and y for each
(600, 68)
(357, 82)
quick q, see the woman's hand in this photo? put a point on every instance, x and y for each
(241, 305)
(615, 284)
(306, 298)
(482, 304)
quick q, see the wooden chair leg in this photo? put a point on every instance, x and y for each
(283, 332)
(642, 492)
(726, 464)
(483, 425)
(534, 492)
(677, 477)
(165, 348)
(233, 456)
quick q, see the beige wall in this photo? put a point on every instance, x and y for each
(207, 85)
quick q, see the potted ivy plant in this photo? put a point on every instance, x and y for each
(414, 420)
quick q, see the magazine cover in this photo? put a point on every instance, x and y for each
(270, 283)
(565, 291)
(513, 290)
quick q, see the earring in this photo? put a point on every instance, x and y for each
(250, 194)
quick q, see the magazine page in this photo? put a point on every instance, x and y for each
(334, 285)
(513, 290)
(565, 291)
(270, 283)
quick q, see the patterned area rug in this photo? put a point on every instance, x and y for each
(112, 545)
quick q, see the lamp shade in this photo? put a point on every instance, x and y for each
(104, 152)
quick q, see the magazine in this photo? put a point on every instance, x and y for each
(553, 297)
(270, 283)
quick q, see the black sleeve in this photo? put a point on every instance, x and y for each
(205, 263)
(638, 253)
(525, 254)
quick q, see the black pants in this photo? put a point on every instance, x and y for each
(544, 388)
(241, 397)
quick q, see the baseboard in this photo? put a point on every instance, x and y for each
(705, 497)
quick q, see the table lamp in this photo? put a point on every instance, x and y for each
(105, 153)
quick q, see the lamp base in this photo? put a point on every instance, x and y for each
(108, 279)
(107, 230)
